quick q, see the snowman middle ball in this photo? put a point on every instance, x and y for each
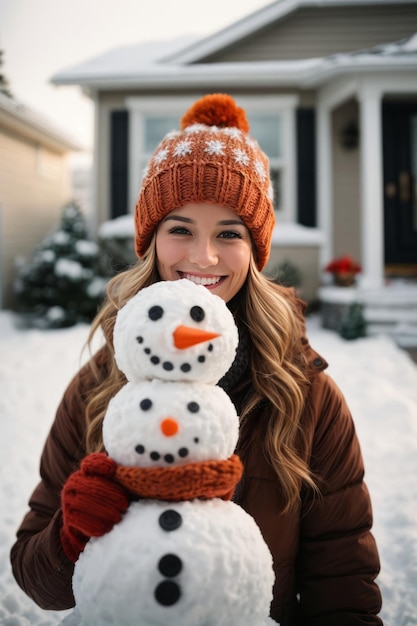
(157, 423)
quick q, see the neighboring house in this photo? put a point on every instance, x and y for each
(34, 186)
(330, 88)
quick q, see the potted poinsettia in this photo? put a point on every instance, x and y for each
(344, 270)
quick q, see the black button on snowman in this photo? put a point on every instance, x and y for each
(180, 556)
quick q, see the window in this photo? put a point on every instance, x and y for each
(155, 128)
(272, 123)
(267, 129)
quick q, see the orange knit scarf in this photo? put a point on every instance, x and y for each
(206, 479)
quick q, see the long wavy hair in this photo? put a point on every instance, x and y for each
(277, 364)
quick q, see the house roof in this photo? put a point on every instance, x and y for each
(27, 123)
(259, 19)
(126, 68)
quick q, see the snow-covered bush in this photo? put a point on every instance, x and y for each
(353, 324)
(61, 285)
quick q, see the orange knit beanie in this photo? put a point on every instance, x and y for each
(211, 159)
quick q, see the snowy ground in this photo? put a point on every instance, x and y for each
(379, 380)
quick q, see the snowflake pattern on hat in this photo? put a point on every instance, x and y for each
(161, 155)
(215, 146)
(241, 156)
(182, 148)
(252, 143)
(260, 169)
(196, 128)
(233, 132)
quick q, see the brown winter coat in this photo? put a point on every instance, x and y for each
(325, 557)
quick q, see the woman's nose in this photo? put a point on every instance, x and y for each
(204, 253)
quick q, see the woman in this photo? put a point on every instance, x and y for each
(205, 213)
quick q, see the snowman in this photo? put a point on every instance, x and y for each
(184, 554)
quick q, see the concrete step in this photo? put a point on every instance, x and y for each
(391, 310)
(391, 315)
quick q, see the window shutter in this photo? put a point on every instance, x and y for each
(306, 167)
(119, 170)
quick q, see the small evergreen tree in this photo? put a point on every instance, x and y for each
(353, 324)
(4, 83)
(60, 286)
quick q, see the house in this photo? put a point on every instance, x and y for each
(34, 186)
(330, 88)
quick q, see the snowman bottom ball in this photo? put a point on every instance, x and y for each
(192, 563)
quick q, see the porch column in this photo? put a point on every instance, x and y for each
(329, 97)
(371, 180)
(324, 183)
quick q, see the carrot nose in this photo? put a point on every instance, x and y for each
(186, 336)
(169, 427)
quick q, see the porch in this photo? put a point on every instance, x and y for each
(390, 309)
(367, 142)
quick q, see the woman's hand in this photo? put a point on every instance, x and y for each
(92, 503)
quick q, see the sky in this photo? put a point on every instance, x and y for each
(377, 378)
(41, 37)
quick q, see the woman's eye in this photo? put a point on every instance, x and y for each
(230, 234)
(179, 230)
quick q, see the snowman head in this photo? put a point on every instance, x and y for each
(175, 330)
(159, 423)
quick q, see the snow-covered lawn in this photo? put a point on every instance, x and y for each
(378, 379)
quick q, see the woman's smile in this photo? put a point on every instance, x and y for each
(208, 281)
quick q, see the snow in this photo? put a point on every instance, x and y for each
(378, 379)
(292, 234)
(71, 269)
(119, 228)
(127, 59)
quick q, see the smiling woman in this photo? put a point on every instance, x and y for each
(206, 244)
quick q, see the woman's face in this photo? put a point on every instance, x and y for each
(207, 244)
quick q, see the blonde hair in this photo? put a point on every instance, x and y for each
(277, 364)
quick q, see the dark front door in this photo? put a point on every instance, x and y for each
(400, 186)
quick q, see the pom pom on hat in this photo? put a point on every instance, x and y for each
(216, 110)
(212, 159)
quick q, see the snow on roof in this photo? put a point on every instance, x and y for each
(125, 61)
(397, 55)
(30, 122)
(403, 47)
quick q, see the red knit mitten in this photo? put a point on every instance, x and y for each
(92, 503)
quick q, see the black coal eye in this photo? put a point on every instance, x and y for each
(193, 407)
(145, 404)
(197, 313)
(155, 313)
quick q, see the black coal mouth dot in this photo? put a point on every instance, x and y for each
(168, 457)
(169, 366)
